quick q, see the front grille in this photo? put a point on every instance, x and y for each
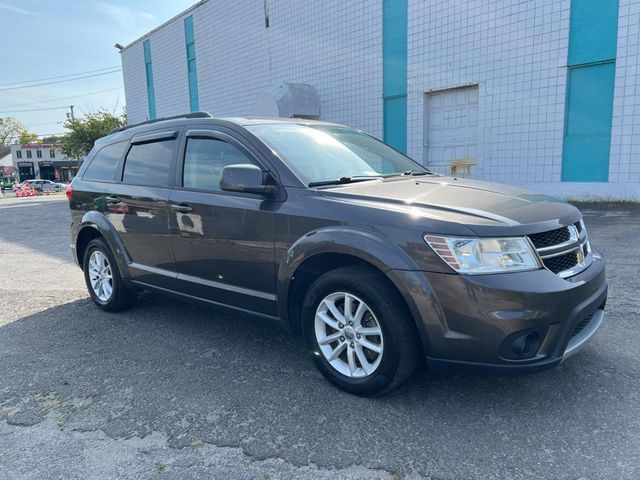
(550, 238)
(564, 250)
(561, 262)
(581, 325)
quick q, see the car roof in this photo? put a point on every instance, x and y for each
(200, 118)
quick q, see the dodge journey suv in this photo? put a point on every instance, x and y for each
(374, 260)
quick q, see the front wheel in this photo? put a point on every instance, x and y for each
(103, 279)
(359, 332)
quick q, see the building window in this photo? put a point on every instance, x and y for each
(18, 154)
(39, 153)
(28, 153)
(191, 64)
(52, 153)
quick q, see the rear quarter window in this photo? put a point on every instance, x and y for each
(149, 164)
(103, 166)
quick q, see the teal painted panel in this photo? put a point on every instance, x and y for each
(151, 96)
(192, 74)
(394, 47)
(593, 31)
(395, 122)
(586, 159)
(588, 123)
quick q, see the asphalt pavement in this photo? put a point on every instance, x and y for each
(171, 390)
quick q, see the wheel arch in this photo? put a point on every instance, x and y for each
(324, 250)
(93, 225)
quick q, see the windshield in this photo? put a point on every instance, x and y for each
(322, 153)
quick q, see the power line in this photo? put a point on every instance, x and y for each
(60, 81)
(36, 109)
(59, 76)
(64, 98)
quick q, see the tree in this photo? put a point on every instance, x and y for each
(83, 132)
(51, 139)
(10, 130)
(28, 137)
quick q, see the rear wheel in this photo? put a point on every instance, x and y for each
(359, 332)
(103, 279)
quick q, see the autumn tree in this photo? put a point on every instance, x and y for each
(10, 131)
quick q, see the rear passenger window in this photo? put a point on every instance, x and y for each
(149, 163)
(204, 160)
(103, 166)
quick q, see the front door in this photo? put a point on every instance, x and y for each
(223, 242)
(138, 208)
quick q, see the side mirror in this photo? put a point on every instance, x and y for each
(244, 178)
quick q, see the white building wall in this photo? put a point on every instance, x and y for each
(335, 46)
(624, 164)
(135, 82)
(514, 51)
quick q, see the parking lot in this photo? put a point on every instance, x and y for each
(174, 390)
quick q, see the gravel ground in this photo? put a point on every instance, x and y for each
(173, 390)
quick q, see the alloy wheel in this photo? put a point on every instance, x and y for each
(349, 335)
(100, 276)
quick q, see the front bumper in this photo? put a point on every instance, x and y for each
(467, 323)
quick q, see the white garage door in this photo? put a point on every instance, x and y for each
(452, 130)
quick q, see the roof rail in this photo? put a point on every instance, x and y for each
(162, 119)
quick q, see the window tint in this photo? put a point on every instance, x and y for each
(103, 166)
(149, 164)
(204, 160)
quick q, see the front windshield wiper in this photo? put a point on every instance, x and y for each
(412, 172)
(341, 180)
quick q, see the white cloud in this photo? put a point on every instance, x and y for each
(12, 8)
(125, 17)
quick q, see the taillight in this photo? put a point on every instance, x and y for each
(69, 192)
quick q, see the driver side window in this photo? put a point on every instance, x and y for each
(204, 160)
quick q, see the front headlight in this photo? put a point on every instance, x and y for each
(485, 255)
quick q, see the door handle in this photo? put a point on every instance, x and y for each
(112, 200)
(182, 208)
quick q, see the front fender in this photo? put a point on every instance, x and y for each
(364, 245)
(98, 221)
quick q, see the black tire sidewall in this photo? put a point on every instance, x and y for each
(380, 300)
(100, 245)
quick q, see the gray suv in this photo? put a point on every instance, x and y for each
(375, 261)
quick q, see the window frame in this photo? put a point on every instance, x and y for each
(208, 133)
(152, 136)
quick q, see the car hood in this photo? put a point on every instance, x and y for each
(481, 206)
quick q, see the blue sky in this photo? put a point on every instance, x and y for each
(50, 38)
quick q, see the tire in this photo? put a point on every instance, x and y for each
(384, 312)
(119, 296)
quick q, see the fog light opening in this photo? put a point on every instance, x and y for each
(526, 345)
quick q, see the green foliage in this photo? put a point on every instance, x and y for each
(28, 137)
(83, 132)
(10, 130)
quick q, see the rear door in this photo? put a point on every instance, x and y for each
(223, 241)
(138, 207)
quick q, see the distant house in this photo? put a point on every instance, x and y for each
(6, 164)
(43, 160)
